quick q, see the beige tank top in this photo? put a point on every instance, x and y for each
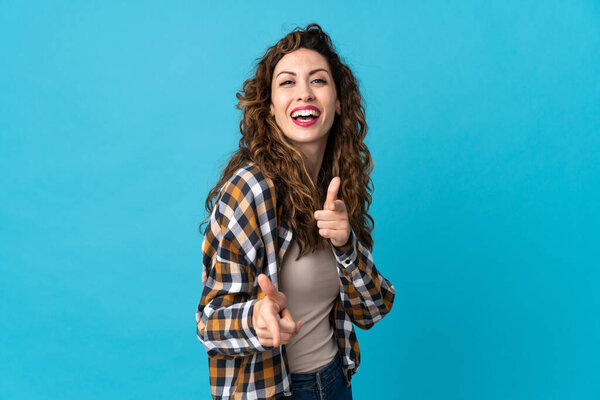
(311, 286)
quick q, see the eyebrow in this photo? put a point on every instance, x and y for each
(310, 73)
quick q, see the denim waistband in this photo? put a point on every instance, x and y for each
(323, 375)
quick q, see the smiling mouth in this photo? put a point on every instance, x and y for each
(304, 118)
(305, 121)
(305, 115)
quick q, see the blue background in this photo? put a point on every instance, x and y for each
(484, 118)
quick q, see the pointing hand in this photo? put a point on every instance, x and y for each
(332, 220)
(273, 322)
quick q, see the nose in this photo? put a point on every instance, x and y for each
(305, 92)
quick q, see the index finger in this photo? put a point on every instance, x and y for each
(332, 190)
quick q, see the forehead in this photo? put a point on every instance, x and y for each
(301, 60)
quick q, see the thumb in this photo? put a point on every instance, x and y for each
(332, 192)
(271, 291)
(286, 315)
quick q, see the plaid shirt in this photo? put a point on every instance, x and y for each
(242, 240)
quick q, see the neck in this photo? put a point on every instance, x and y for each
(313, 157)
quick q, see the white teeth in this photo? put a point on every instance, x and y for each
(305, 113)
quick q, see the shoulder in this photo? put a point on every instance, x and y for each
(248, 187)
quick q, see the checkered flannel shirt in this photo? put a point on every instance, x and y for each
(242, 240)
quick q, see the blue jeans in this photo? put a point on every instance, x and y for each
(326, 384)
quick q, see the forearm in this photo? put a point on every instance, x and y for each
(367, 296)
(228, 330)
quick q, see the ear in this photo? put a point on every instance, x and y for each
(338, 108)
(272, 110)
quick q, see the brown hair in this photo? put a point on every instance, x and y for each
(265, 145)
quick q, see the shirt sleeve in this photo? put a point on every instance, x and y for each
(231, 251)
(366, 296)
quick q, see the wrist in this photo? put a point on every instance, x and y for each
(345, 247)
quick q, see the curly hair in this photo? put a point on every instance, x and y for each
(264, 144)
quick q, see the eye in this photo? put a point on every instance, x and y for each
(285, 83)
(319, 80)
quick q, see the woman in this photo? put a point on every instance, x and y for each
(287, 250)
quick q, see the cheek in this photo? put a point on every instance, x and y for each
(333, 108)
(332, 100)
(276, 106)
(279, 113)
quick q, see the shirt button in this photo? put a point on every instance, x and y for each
(347, 262)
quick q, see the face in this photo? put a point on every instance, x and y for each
(303, 98)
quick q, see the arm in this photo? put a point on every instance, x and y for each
(231, 251)
(367, 296)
